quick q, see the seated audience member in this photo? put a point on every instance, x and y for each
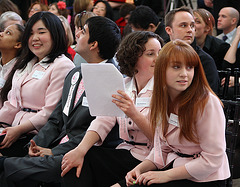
(216, 48)
(158, 6)
(58, 8)
(36, 7)
(37, 79)
(228, 18)
(124, 12)
(66, 126)
(102, 8)
(98, 166)
(232, 58)
(69, 34)
(9, 18)
(144, 18)
(81, 5)
(10, 47)
(180, 25)
(80, 20)
(8, 5)
(189, 150)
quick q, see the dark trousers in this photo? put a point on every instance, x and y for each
(17, 149)
(102, 167)
(29, 171)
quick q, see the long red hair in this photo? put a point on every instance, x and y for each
(188, 103)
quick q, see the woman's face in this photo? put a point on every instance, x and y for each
(40, 42)
(100, 9)
(146, 63)
(53, 9)
(179, 76)
(36, 8)
(9, 38)
(200, 26)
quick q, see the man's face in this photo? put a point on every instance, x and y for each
(224, 19)
(82, 37)
(183, 27)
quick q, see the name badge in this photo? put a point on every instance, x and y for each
(173, 120)
(143, 102)
(38, 74)
(85, 102)
(2, 82)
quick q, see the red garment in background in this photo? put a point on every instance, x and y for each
(121, 23)
(71, 51)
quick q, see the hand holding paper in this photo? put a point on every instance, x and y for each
(101, 81)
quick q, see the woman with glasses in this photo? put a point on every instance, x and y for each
(36, 7)
(103, 8)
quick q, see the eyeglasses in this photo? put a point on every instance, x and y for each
(34, 10)
(80, 15)
(100, 8)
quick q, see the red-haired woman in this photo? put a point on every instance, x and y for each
(189, 125)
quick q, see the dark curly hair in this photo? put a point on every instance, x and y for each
(131, 48)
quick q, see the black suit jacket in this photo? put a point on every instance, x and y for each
(74, 125)
(209, 67)
(217, 49)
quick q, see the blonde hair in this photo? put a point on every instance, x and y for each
(68, 30)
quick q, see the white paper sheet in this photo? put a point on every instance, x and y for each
(100, 82)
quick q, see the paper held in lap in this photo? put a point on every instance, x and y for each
(100, 82)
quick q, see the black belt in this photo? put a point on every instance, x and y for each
(136, 143)
(188, 156)
(29, 110)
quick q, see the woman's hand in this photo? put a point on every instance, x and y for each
(12, 135)
(125, 103)
(70, 160)
(132, 176)
(231, 81)
(153, 177)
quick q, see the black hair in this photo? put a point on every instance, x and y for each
(58, 34)
(8, 84)
(59, 46)
(109, 10)
(142, 16)
(106, 33)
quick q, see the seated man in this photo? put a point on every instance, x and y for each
(70, 119)
(144, 18)
(180, 25)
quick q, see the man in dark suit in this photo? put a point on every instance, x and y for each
(180, 25)
(96, 42)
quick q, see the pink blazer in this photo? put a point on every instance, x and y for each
(38, 87)
(127, 128)
(212, 164)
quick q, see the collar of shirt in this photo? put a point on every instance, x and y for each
(230, 34)
(131, 88)
(104, 61)
(4, 68)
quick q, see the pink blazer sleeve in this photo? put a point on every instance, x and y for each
(211, 133)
